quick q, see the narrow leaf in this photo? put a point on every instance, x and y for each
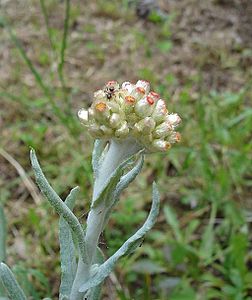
(123, 184)
(12, 287)
(2, 234)
(67, 249)
(104, 270)
(95, 292)
(60, 207)
(129, 177)
(172, 220)
(111, 183)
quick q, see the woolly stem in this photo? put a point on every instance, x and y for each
(116, 154)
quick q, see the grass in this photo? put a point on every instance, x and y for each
(201, 246)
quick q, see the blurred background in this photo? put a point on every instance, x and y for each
(198, 55)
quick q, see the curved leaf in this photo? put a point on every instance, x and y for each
(67, 249)
(60, 207)
(104, 270)
(10, 283)
(123, 184)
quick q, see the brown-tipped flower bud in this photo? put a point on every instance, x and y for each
(175, 137)
(101, 110)
(144, 85)
(145, 126)
(160, 111)
(162, 130)
(173, 119)
(160, 145)
(144, 108)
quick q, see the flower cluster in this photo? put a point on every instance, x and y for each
(131, 111)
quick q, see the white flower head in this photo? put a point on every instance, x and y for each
(131, 111)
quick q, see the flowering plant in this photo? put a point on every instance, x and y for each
(127, 121)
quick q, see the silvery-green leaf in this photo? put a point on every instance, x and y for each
(111, 183)
(67, 250)
(11, 285)
(129, 177)
(123, 184)
(104, 270)
(96, 291)
(99, 146)
(2, 234)
(60, 207)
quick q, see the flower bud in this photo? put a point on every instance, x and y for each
(122, 131)
(143, 84)
(115, 120)
(143, 108)
(145, 125)
(128, 86)
(175, 137)
(173, 119)
(101, 111)
(99, 95)
(160, 111)
(128, 105)
(160, 145)
(83, 116)
(162, 130)
(138, 93)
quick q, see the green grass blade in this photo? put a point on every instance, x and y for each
(49, 31)
(64, 43)
(25, 57)
(11, 285)
(36, 74)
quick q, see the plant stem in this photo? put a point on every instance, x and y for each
(116, 154)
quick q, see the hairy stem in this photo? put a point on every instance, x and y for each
(116, 154)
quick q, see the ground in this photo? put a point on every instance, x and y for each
(199, 59)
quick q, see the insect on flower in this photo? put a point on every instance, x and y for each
(110, 88)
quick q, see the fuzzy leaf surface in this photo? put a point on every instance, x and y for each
(67, 249)
(104, 270)
(10, 283)
(60, 207)
(123, 184)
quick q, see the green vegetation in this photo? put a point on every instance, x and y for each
(55, 55)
